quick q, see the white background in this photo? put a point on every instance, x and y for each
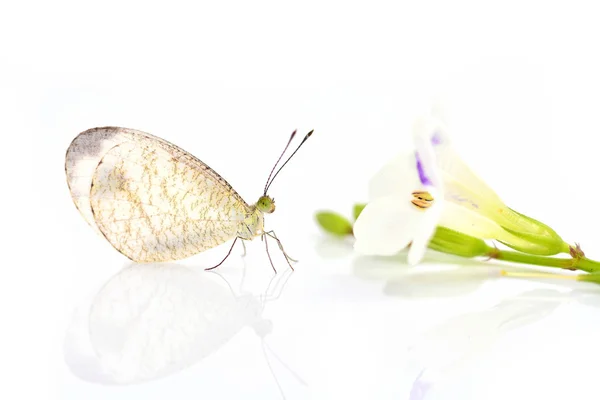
(228, 82)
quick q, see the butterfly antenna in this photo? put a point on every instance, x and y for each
(279, 159)
(289, 158)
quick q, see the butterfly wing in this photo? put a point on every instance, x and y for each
(150, 199)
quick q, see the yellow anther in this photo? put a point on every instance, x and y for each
(422, 200)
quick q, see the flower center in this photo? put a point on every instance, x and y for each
(422, 200)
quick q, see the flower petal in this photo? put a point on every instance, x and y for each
(386, 225)
(465, 189)
(461, 183)
(440, 136)
(399, 176)
(474, 224)
(423, 233)
(464, 220)
(423, 134)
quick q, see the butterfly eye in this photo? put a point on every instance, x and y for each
(266, 204)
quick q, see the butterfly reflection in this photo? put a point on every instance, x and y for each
(153, 320)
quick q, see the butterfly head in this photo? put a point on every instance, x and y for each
(266, 204)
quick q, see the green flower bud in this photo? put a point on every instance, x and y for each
(358, 207)
(535, 237)
(452, 242)
(334, 223)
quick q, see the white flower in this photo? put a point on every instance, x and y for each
(424, 188)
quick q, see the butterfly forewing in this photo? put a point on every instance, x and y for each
(150, 199)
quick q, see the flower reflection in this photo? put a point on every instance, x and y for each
(152, 320)
(446, 351)
(447, 354)
(439, 279)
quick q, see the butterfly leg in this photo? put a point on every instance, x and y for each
(268, 254)
(274, 236)
(223, 260)
(287, 257)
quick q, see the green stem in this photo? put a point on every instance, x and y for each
(579, 263)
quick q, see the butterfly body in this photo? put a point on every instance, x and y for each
(253, 224)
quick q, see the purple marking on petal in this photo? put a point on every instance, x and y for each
(461, 199)
(422, 177)
(436, 139)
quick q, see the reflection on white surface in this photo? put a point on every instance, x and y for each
(448, 350)
(353, 327)
(446, 280)
(448, 353)
(330, 248)
(441, 275)
(152, 320)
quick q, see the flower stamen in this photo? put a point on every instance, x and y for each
(422, 199)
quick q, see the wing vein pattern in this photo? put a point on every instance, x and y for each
(150, 199)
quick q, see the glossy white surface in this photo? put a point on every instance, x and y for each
(341, 328)
(228, 83)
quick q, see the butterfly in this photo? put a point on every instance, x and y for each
(155, 202)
